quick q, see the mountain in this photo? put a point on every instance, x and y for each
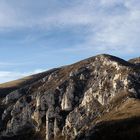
(94, 99)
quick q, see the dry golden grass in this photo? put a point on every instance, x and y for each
(129, 109)
(8, 87)
(16, 83)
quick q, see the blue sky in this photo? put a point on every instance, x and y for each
(39, 35)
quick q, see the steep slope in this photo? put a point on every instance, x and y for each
(6, 88)
(78, 101)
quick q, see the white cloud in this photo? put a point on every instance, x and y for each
(112, 25)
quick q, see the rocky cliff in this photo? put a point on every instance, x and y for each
(94, 99)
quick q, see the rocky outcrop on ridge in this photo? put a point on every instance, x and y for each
(80, 101)
(135, 61)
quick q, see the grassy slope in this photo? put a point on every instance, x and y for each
(122, 122)
(8, 87)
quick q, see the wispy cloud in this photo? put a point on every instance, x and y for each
(111, 23)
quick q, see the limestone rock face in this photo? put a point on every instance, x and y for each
(68, 97)
(71, 100)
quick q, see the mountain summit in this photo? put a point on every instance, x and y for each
(94, 99)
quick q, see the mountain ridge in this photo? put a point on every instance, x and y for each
(74, 101)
